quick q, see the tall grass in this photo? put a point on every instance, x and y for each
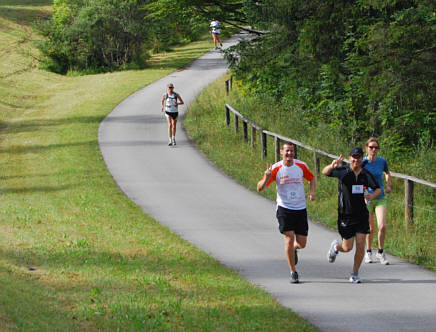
(205, 123)
(75, 253)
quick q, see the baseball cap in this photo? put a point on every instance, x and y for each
(356, 151)
(170, 85)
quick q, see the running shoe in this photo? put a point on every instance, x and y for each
(296, 257)
(294, 278)
(174, 141)
(170, 142)
(332, 253)
(382, 258)
(368, 257)
(354, 279)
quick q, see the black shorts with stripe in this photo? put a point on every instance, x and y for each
(349, 227)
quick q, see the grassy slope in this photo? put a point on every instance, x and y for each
(75, 253)
(205, 123)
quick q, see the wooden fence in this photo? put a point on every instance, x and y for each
(255, 129)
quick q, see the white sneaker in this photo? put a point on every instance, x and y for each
(368, 257)
(354, 279)
(331, 255)
(174, 141)
(382, 258)
(170, 142)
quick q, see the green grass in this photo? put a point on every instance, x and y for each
(75, 253)
(205, 123)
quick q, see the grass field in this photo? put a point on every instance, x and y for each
(75, 253)
(205, 123)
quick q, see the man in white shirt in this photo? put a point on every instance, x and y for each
(291, 201)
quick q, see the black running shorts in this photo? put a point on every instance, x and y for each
(347, 231)
(172, 115)
(292, 220)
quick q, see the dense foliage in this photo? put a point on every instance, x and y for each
(364, 67)
(361, 67)
(89, 34)
(101, 35)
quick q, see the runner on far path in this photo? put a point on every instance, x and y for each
(170, 104)
(215, 25)
(291, 201)
(353, 215)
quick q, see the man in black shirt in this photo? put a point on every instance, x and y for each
(353, 215)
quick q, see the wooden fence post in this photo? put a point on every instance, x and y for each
(316, 165)
(408, 202)
(227, 115)
(244, 127)
(253, 136)
(227, 87)
(263, 140)
(236, 123)
(277, 148)
(231, 82)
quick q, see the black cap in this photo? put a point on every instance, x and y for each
(170, 85)
(356, 151)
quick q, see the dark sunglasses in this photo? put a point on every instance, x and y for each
(373, 147)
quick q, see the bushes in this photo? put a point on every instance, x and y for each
(103, 35)
(363, 67)
(93, 34)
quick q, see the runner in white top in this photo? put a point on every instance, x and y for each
(170, 102)
(291, 201)
(215, 25)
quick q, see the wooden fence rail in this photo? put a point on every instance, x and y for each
(278, 139)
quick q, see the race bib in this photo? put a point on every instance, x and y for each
(357, 189)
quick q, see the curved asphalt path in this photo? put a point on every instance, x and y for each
(180, 188)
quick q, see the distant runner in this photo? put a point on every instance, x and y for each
(291, 202)
(353, 215)
(170, 102)
(215, 25)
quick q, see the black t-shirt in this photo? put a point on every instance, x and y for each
(351, 202)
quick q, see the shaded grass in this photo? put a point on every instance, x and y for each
(75, 253)
(205, 123)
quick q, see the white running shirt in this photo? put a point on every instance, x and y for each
(289, 184)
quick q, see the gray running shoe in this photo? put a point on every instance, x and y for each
(382, 258)
(294, 278)
(332, 253)
(296, 257)
(174, 141)
(170, 142)
(354, 278)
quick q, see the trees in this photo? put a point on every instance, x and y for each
(364, 67)
(101, 35)
(170, 22)
(94, 34)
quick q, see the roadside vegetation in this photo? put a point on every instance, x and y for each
(331, 75)
(205, 123)
(75, 253)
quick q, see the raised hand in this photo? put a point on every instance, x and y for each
(337, 162)
(268, 171)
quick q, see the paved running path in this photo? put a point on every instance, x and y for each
(180, 188)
